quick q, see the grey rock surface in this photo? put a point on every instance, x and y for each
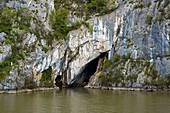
(123, 31)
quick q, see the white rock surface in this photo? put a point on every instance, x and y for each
(121, 32)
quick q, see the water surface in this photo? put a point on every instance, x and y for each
(80, 100)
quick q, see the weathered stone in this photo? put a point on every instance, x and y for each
(121, 32)
(5, 52)
(2, 38)
(105, 88)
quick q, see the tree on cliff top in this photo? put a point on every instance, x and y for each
(59, 23)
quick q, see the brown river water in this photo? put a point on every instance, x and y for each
(80, 100)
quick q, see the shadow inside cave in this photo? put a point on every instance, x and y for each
(87, 71)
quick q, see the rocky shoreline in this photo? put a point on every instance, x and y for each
(91, 87)
(27, 90)
(127, 89)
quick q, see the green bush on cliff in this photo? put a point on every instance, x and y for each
(167, 80)
(148, 19)
(76, 25)
(46, 80)
(10, 19)
(21, 56)
(112, 77)
(45, 49)
(106, 79)
(86, 8)
(115, 58)
(138, 6)
(29, 83)
(107, 64)
(8, 41)
(5, 68)
(5, 63)
(7, 19)
(99, 6)
(23, 19)
(15, 35)
(59, 23)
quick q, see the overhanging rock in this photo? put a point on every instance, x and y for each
(87, 71)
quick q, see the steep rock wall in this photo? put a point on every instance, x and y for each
(121, 32)
(126, 31)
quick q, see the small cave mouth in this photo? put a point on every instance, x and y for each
(58, 81)
(87, 71)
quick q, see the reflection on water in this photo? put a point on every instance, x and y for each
(79, 100)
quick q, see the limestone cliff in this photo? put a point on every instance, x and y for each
(136, 28)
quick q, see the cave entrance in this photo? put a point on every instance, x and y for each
(87, 71)
(58, 81)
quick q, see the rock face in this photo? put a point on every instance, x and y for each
(125, 30)
(5, 50)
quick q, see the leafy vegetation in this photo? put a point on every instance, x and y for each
(86, 8)
(122, 69)
(46, 80)
(149, 19)
(114, 75)
(138, 6)
(12, 24)
(7, 19)
(60, 24)
(5, 68)
(29, 83)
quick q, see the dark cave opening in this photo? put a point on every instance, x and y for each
(58, 81)
(84, 74)
(87, 71)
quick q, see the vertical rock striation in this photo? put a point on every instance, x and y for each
(125, 30)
